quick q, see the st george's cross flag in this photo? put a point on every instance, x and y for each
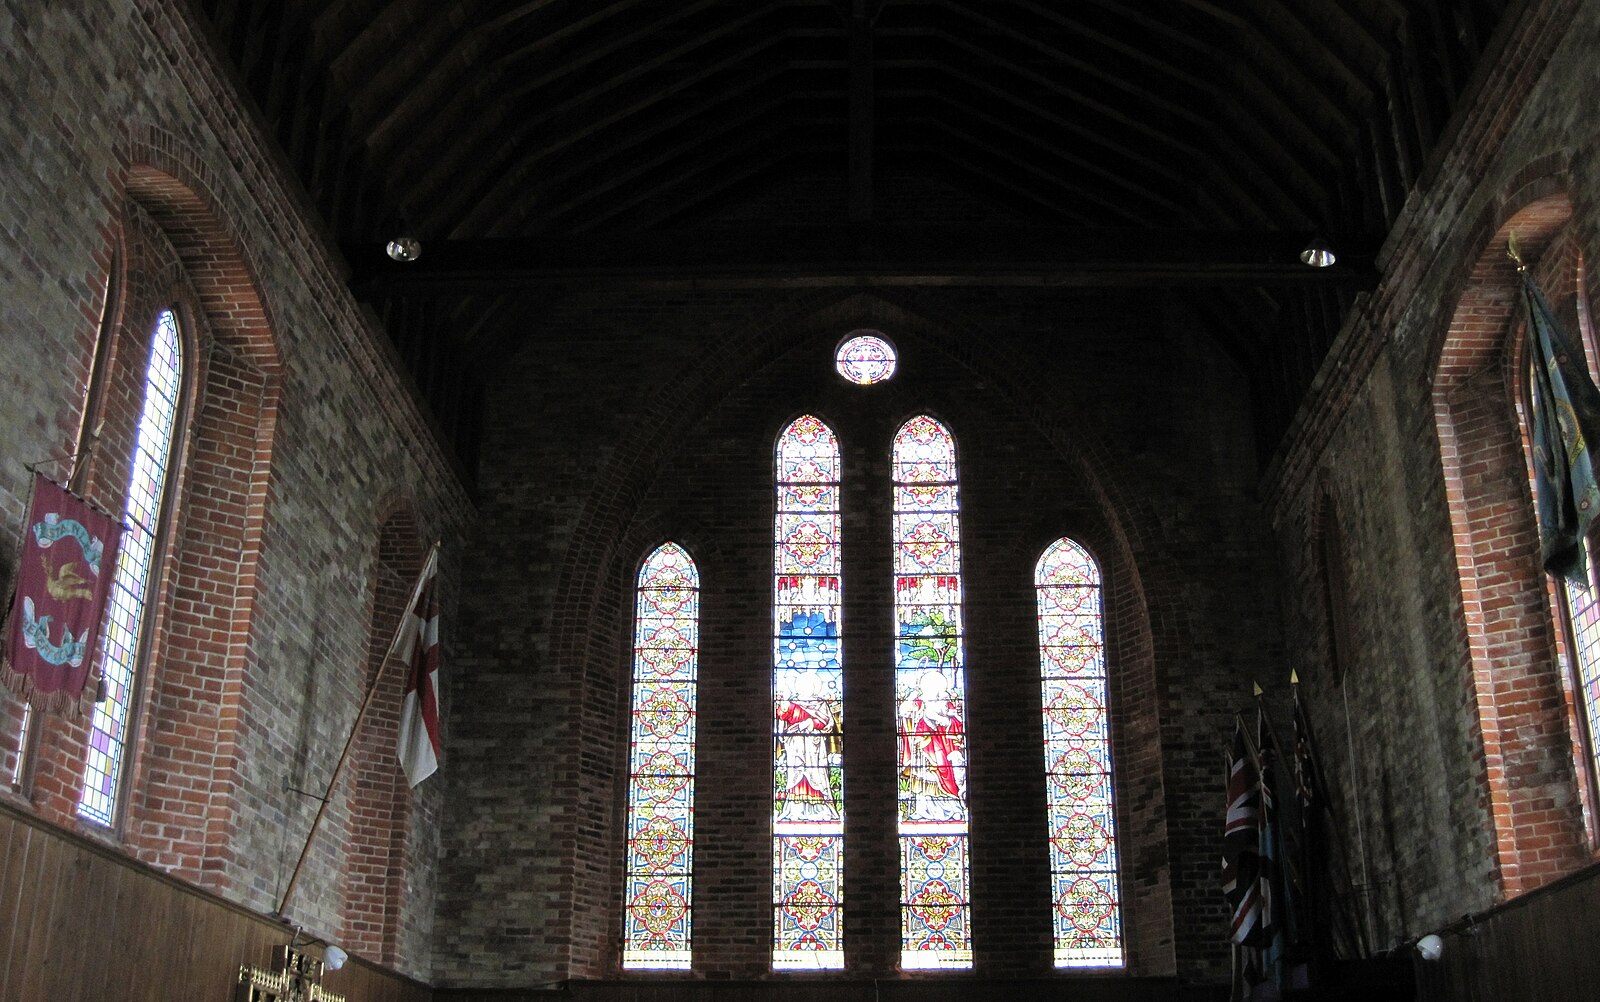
(416, 643)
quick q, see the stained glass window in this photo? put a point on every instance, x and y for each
(1583, 599)
(865, 359)
(930, 699)
(132, 584)
(1583, 604)
(808, 704)
(666, 646)
(1077, 756)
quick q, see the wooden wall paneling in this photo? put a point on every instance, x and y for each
(39, 884)
(80, 921)
(14, 838)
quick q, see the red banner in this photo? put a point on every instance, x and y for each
(69, 551)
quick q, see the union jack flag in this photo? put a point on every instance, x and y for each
(1241, 843)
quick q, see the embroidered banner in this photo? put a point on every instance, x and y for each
(63, 580)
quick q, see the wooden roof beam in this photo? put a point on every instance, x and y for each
(873, 255)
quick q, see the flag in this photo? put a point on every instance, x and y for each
(1305, 762)
(1566, 418)
(69, 552)
(1269, 930)
(1241, 841)
(417, 642)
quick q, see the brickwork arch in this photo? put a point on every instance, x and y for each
(181, 252)
(589, 608)
(378, 846)
(1523, 714)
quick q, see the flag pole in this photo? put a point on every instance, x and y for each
(355, 728)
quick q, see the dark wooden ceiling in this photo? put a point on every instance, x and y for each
(1204, 140)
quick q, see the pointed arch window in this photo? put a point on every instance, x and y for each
(657, 925)
(130, 607)
(1077, 754)
(930, 700)
(808, 704)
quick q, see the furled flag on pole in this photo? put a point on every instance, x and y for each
(1269, 931)
(417, 643)
(69, 551)
(1566, 419)
(1241, 841)
(1305, 761)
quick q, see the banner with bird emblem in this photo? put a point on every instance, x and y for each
(63, 578)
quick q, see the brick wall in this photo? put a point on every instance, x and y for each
(1074, 415)
(1449, 741)
(138, 170)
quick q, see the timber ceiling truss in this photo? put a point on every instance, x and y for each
(539, 145)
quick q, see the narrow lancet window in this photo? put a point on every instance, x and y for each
(930, 696)
(660, 863)
(808, 704)
(1077, 756)
(133, 584)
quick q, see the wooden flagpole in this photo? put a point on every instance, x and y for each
(355, 728)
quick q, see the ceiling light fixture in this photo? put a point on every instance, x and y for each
(404, 248)
(1430, 947)
(1318, 254)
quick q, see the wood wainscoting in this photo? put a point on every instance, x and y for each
(79, 922)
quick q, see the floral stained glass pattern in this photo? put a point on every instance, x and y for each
(1583, 605)
(659, 866)
(865, 359)
(808, 704)
(930, 697)
(134, 579)
(1077, 755)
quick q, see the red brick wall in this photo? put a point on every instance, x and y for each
(1449, 742)
(377, 861)
(299, 425)
(673, 439)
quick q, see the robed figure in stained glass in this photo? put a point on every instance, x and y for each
(808, 733)
(933, 751)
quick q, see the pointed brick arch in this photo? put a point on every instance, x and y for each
(377, 843)
(1123, 534)
(1523, 715)
(185, 782)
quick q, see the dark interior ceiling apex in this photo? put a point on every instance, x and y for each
(597, 121)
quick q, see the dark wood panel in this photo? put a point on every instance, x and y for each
(1538, 947)
(80, 921)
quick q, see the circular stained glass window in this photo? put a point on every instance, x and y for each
(865, 359)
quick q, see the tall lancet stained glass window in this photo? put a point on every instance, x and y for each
(1077, 756)
(660, 863)
(808, 704)
(133, 583)
(930, 700)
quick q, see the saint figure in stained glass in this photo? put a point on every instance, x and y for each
(808, 703)
(808, 735)
(930, 695)
(933, 751)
